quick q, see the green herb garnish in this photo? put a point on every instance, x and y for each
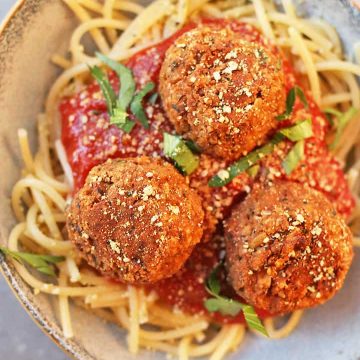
(127, 82)
(176, 149)
(121, 120)
(301, 96)
(297, 133)
(117, 106)
(195, 148)
(300, 131)
(42, 263)
(105, 87)
(342, 119)
(295, 155)
(136, 104)
(118, 115)
(253, 171)
(223, 177)
(290, 102)
(153, 98)
(227, 306)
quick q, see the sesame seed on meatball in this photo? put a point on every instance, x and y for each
(287, 248)
(221, 91)
(135, 220)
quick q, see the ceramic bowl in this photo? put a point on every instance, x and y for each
(34, 30)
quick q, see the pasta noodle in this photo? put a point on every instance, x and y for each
(286, 329)
(120, 28)
(308, 63)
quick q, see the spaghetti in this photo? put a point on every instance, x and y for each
(121, 28)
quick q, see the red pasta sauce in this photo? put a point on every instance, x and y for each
(89, 140)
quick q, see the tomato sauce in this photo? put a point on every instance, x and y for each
(89, 140)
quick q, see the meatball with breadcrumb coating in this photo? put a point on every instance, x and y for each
(287, 248)
(135, 220)
(222, 91)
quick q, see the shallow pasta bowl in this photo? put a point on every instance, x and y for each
(34, 31)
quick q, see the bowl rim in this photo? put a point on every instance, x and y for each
(34, 312)
(70, 347)
(73, 349)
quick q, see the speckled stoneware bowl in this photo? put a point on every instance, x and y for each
(38, 28)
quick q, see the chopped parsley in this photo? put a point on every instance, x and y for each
(290, 102)
(42, 263)
(227, 306)
(176, 149)
(298, 132)
(118, 106)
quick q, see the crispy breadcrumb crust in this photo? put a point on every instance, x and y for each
(287, 248)
(135, 220)
(221, 91)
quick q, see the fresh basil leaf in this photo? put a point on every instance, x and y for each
(212, 283)
(128, 126)
(301, 96)
(295, 155)
(127, 82)
(105, 87)
(40, 262)
(228, 306)
(118, 115)
(223, 305)
(253, 171)
(137, 107)
(290, 102)
(300, 131)
(253, 320)
(223, 177)
(195, 148)
(120, 119)
(51, 259)
(342, 121)
(153, 98)
(212, 305)
(176, 149)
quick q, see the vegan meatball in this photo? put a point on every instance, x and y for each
(135, 220)
(287, 248)
(222, 92)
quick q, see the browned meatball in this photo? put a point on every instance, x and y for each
(287, 248)
(135, 220)
(221, 91)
